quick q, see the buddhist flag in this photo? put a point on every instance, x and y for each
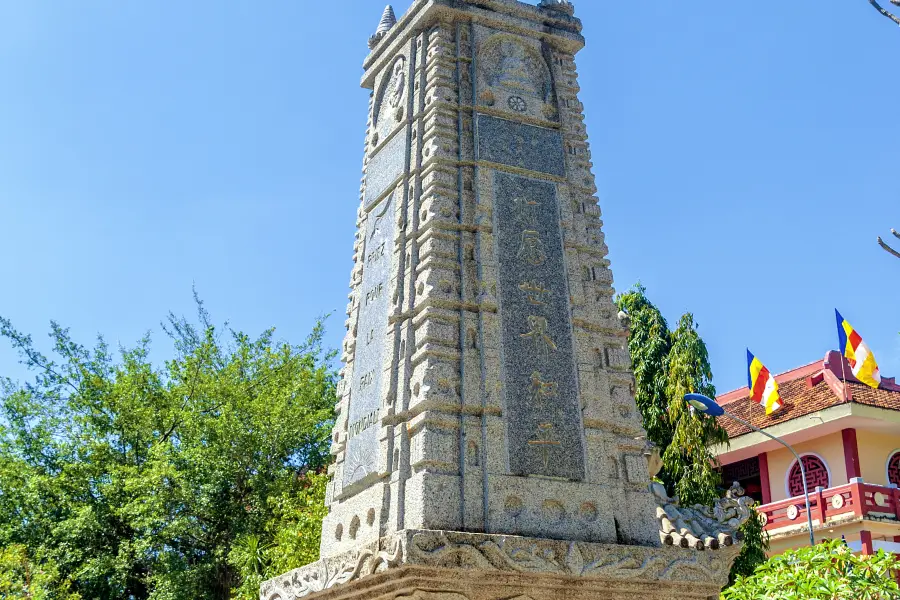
(862, 361)
(763, 387)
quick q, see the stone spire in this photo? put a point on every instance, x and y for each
(487, 443)
(388, 20)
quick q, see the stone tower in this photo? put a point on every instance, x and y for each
(487, 405)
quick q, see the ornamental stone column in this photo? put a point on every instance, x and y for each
(487, 444)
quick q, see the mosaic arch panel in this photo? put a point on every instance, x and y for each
(893, 471)
(816, 475)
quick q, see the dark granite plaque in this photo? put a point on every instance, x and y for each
(519, 145)
(542, 406)
(385, 168)
(368, 363)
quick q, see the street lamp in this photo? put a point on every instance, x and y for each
(713, 409)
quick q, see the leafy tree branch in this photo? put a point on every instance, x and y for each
(667, 365)
(827, 571)
(127, 479)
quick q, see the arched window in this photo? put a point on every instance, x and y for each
(817, 475)
(893, 468)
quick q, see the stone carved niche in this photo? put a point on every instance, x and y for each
(514, 77)
(391, 101)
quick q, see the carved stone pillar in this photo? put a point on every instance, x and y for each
(487, 399)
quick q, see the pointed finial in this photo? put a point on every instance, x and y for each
(388, 20)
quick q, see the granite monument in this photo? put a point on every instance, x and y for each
(488, 445)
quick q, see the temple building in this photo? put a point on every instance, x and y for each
(848, 436)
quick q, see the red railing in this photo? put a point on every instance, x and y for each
(857, 499)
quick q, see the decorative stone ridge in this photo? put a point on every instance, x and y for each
(468, 554)
(702, 527)
(559, 5)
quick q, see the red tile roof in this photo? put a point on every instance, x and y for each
(807, 390)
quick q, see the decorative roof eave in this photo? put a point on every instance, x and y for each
(831, 364)
(806, 427)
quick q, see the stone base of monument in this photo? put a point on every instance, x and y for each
(441, 565)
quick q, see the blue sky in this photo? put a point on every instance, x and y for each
(746, 155)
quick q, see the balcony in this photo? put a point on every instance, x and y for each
(834, 507)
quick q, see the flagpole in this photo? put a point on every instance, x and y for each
(809, 521)
(841, 351)
(812, 535)
(713, 409)
(844, 375)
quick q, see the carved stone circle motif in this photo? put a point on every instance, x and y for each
(517, 103)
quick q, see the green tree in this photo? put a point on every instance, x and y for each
(667, 365)
(649, 345)
(134, 481)
(827, 571)
(289, 540)
(688, 459)
(753, 552)
(22, 579)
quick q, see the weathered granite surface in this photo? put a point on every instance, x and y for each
(519, 145)
(543, 414)
(477, 566)
(364, 415)
(487, 385)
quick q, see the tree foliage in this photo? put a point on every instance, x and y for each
(290, 539)
(667, 365)
(688, 459)
(827, 571)
(23, 577)
(127, 480)
(753, 551)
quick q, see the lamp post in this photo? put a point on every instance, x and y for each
(713, 409)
